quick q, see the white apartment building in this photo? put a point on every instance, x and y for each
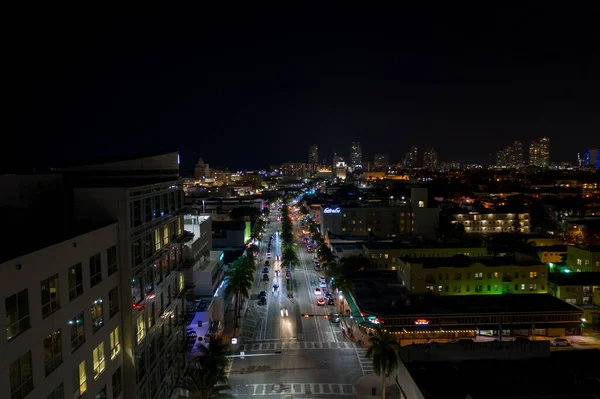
(492, 223)
(63, 313)
(145, 196)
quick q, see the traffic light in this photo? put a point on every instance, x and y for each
(326, 316)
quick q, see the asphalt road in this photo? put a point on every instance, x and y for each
(291, 356)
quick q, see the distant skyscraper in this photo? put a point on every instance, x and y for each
(539, 153)
(356, 155)
(381, 161)
(430, 159)
(201, 170)
(511, 156)
(411, 159)
(591, 159)
(313, 154)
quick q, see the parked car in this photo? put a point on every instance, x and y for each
(267, 263)
(266, 270)
(318, 291)
(560, 342)
(262, 301)
(321, 302)
(330, 302)
(266, 277)
(262, 294)
(463, 341)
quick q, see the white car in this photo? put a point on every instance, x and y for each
(284, 312)
(560, 342)
(323, 284)
(268, 255)
(318, 291)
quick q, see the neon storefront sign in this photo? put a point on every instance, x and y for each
(332, 210)
(422, 321)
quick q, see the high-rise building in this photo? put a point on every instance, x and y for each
(539, 153)
(591, 159)
(356, 155)
(411, 159)
(201, 170)
(313, 154)
(511, 156)
(430, 159)
(381, 161)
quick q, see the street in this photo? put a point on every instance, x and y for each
(292, 355)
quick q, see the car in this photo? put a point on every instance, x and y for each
(266, 277)
(284, 312)
(268, 255)
(334, 317)
(323, 284)
(321, 302)
(322, 278)
(275, 288)
(330, 302)
(328, 295)
(262, 300)
(266, 270)
(267, 263)
(521, 339)
(462, 341)
(262, 294)
(560, 342)
(318, 291)
(277, 257)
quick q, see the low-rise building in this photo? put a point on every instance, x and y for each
(462, 275)
(552, 254)
(389, 254)
(367, 220)
(230, 234)
(580, 289)
(492, 223)
(583, 258)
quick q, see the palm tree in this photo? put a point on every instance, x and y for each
(239, 283)
(384, 353)
(342, 284)
(204, 381)
(289, 255)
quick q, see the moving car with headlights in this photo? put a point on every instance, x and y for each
(318, 291)
(321, 302)
(560, 342)
(284, 312)
(334, 317)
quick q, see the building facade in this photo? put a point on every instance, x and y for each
(381, 162)
(356, 155)
(483, 276)
(378, 221)
(145, 196)
(579, 289)
(430, 159)
(591, 159)
(64, 319)
(313, 154)
(511, 156)
(492, 223)
(583, 258)
(539, 153)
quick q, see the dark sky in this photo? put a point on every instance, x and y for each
(247, 88)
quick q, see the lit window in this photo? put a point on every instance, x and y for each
(141, 328)
(587, 262)
(496, 275)
(495, 287)
(99, 363)
(532, 274)
(522, 287)
(50, 297)
(439, 288)
(97, 315)
(421, 204)
(532, 287)
(17, 314)
(385, 256)
(478, 276)
(166, 234)
(579, 261)
(157, 240)
(181, 282)
(79, 381)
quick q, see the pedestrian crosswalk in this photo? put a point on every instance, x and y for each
(277, 346)
(296, 389)
(366, 365)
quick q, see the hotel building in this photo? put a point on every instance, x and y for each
(492, 223)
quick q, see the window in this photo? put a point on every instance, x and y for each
(166, 234)
(496, 275)
(151, 310)
(478, 288)
(75, 281)
(21, 377)
(77, 331)
(478, 276)
(136, 290)
(532, 274)
(149, 281)
(572, 301)
(141, 328)
(489, 288)
(97, 315)
(58, 393)
(468, 288)
(136, 213)
(157, 206)
(181, 282)
(421, 204)
(79, 381)
(522, 287)
(532, 287)
(495, 287)
(50, 298)
(113, 301)
(52, 351)
(148, 213)
(102, 393)
(136, 251)
(429, 288)
(111, 258)
(117, 385)
(99, 364)
(95, 270)
(115, 343)
(157, 240)
(17, 314)
(579, 261)
(587, 262)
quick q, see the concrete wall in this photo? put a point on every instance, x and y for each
(32, 269)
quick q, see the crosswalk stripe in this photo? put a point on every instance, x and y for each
(300, 388)
(265, 346)
(366, 364)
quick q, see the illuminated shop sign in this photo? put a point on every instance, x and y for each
(332, 210)
(422, 321)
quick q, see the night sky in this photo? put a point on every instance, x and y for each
(248, 88)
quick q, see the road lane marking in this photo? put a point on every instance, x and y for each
(301, 388)
(366, 364)
(274, 346)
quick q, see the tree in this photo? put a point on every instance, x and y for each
(289, 254)
(342, 284)
(354, 263)
(240, 282)
(384, 353)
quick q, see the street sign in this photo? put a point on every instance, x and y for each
(233, 341)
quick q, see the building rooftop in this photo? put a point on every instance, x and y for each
(229, 225)
(565, 374)
(552, 248)
(377, 298)
(466, 261)
(590, 248)
(580, 278)
(410, 244)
